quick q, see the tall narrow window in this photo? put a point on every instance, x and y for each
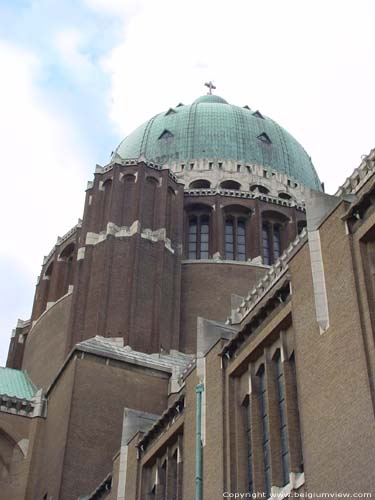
(266, 245)
(198, 238)
(250, 486)
(163, 481)
(229, 239)
(272, 237)
(283, 420)
(173, 476)
(235, 238)
(265, 432)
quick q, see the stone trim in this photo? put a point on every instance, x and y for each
(167, 418)
(280, 296)
(127, 232)
(62, 239)
(275, 272)
(49, 307)
(244, 194)
(360, 175)
(296, 480)
(34, 407)
(319, 284)
(216, 259)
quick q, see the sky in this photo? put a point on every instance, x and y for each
(78, 75)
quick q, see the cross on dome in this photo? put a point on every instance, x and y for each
(210, 86)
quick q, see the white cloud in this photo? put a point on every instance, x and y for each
(42, 185)
(308, 65)
(42, 162)
(69, 44)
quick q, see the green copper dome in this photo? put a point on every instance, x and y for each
(212, 129)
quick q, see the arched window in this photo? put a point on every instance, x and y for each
(259, 188)
(285, 196)
(67, 278)
(151, 185)
(230, 185)
(170, 213)
(235, 231)
(173, 475)
(235, 238)
(200, 184)
(128, 190)
(272, 236)
(107, 187)
(265, 430)
(163, 481)
(282, 418)
(198, 238)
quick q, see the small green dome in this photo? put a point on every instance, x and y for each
(211, 129)
(210, 98)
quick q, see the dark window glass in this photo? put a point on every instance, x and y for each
(229, 239)
(192, 238)
(250, 485)
(266, 245)
(276, 243)
(265, 433)
(198, 240)
(204, 234)
(283, 420)
(241, 240)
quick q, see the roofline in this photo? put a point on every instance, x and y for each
(78, 348)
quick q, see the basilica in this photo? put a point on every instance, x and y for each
(205, 330)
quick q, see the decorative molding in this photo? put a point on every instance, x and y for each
(273, 274)
(237, 193)
(62, 239)
(359, 177)
(127, 232)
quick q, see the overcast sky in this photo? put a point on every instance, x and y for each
(78, 75)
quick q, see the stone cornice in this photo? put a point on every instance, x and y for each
(34, 407)
(234, 193)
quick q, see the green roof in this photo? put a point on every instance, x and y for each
(16, 383)
(212, 129)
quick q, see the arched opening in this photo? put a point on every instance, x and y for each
(67, 256)
(170, 214)
(230, 185)
(149, 206)
(273, 236)
(11, 457)
(236, 220)
(200, 184)
(259, 188)
(128, 183)
(198, 234)
(285, 196)
(107, 187)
